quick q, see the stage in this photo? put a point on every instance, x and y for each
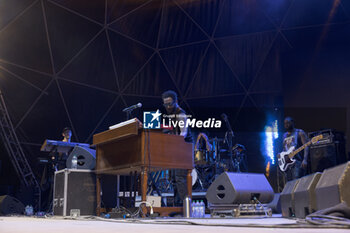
(94, 224)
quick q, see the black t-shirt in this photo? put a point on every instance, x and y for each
(177, 129)
(293, 140)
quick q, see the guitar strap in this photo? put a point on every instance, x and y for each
(296, 136)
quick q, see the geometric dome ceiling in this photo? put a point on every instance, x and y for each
(79, 63)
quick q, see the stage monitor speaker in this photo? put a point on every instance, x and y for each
(325, 156)
(305, 196)
(10, 205)
(86, 158)
(287, 199)
(239, 188)
(333, 187)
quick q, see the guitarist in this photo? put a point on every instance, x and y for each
(295, 137)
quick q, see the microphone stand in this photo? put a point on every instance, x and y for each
(128, 110)
(128, 114)
(229, 139)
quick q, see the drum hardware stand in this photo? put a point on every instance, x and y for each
(238, 157)
(165, 182)
(229, 138)
(236, 166)
(200, 182)
(205, 175)
(200, 179)
(217, 157)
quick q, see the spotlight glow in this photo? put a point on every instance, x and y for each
(269, 136)
(275, 129)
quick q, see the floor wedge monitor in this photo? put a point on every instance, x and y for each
(287, 199)
(239, 188)
(305, 195)
(333, 187)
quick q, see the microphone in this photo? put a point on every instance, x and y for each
(132, 107)
(225, 118)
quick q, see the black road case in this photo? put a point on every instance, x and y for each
(74, 192)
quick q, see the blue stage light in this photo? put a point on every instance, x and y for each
(270, 135)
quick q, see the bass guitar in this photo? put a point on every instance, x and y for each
(286, 158)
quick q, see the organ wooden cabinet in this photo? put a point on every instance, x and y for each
(130, 148)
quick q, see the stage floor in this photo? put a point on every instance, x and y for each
(159, 225)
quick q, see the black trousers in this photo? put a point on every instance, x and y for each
(296, 171)
(180, 191)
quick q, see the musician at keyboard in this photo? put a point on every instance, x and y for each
(67, 134)
(171, 106)
(61, 157)
(57, 161)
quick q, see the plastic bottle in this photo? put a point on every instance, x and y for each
(193, 209)
(196, 209)
(74, 162)
(29, 211)
(202, 209)
(199, 209)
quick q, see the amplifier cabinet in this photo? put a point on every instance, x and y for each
(74, 190)
(328, 155)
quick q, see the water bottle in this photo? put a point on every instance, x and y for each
(199, 209)
(202, 209)
(193, 209)
(196, 209)
(74, 162)
(29, 211)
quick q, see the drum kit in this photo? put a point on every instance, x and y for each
(212, 157)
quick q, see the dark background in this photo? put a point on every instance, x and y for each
(79, 63)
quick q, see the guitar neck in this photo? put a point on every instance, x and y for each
(291, 155)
